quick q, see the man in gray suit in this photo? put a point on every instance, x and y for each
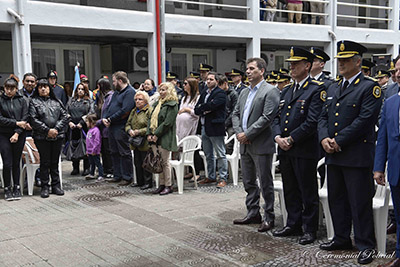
(252, 119)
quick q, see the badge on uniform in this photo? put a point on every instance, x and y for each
(323, 95)
(377, 92)
(281, 104)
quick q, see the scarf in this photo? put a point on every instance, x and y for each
(154, 116)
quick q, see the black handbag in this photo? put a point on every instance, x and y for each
(76, 149)
(152, 162)
(136, 141)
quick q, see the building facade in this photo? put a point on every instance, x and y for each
(107, 35)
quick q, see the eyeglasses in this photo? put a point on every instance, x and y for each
(185, 83)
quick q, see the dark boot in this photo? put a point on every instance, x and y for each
(45, 192)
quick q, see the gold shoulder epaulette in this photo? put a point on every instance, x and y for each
(317, 82)
(373, 79)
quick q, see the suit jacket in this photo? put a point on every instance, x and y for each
(262, 113)
(298, 118)
(388, 145)
(213, 111)
(391, 90)
(350, 118)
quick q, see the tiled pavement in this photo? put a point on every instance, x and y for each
(99, 224)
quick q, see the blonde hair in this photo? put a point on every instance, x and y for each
(144, 94)
(171, 92)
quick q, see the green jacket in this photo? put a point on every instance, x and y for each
(138, 121)
(166, 130)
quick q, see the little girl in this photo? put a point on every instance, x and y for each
(93, 147)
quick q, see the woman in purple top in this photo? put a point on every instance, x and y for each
(93, 147)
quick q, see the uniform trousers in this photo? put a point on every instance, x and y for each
(350, 193)
(300, 188)
(253, 166)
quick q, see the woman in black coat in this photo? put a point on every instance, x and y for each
(48, 118)
(78, 106)
(13, 119)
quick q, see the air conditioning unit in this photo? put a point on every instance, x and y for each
(140, 59)
(269, 57)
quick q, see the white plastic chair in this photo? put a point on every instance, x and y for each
(323, 199)
(133, 167)
(380, 205)
(189, 145)
(30, 167)
(278, 187)
(233, 159)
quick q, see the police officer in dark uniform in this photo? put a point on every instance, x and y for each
(367, 67)
(383, 77)
(204, 70)
(272, 78)
(347, 134)
(237, 79)
(317, 72)
(173, 78)
(57, 88)
(195, 75)
(295, 130)
(282, 81)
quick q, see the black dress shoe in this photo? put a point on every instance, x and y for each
(167, 190)
(333, 245)
(44, 193)
(134, 185)
(75, 172)
(266, 226)
(114, 180)
(391, 228)
(159, 189)
(366, 256)
(146, 186)
(249, 220)
(288, 231)
(86, 172)
(56, 190)
(125, 183)
(307, 238)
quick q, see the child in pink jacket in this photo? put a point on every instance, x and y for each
(93, 147)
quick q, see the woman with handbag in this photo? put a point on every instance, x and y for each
(79, 105)
(48, 118)
(161, 132)
(136, 127)
(13, 120)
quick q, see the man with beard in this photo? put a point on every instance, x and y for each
(116, 116)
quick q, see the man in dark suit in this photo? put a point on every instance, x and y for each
(295, 131)
(211, 109)
(252, 119)
(204, 69)
(347, 134)
(388, 149)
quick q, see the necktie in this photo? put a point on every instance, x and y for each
(346, 83)
(295, 90)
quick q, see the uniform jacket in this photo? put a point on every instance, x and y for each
(46, 113)
(121, 104)
(202, 87)
(350, 118)
(240, 88)
(259, 124)
(326, 80)
(60, 93)
(231, 99)
(213, 111)
(166, 129)
(298, 118)
(12, 110)
(139, 121)
(388, 145)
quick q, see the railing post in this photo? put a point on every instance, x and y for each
(253, 45)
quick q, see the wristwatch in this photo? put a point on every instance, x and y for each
(290, 140)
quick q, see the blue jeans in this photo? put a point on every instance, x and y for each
(94, 161)
(215, 144)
